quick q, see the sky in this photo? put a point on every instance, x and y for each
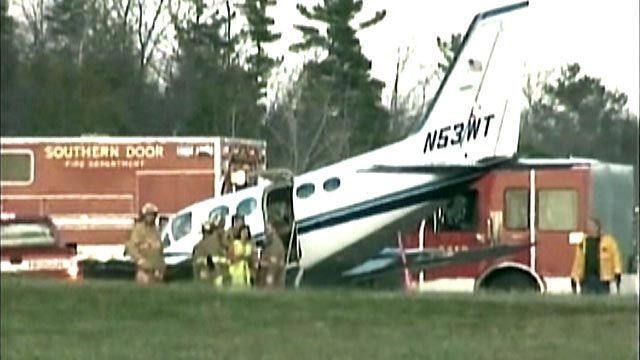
(602, 36)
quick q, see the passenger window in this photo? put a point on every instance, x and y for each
(222, 210)
(181, 226)
(16, 167)
(305, 190)
(557, 210)
(246, 206)
(516, 209)
(331, 184)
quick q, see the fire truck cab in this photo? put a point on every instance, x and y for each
(541, 202)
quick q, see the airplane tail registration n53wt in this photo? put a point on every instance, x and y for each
(473, 115)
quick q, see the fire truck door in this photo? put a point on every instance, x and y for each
(511, 222)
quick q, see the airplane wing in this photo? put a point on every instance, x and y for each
(389, 259)
(480, 166)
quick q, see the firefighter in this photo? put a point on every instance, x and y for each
(145, 248)
(237, 223)
(240, 252)
(233, 233)
(271, 272)
(208, 264)
(597, 261)
(219, 260)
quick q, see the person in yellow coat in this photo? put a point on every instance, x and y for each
(597, 261)
(240, 255)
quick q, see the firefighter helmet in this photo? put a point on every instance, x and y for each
(148, 208)
(216, 220)
(207, 226)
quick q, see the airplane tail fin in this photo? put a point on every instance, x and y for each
(474, 114)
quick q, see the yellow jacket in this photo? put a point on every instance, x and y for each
(610, 263)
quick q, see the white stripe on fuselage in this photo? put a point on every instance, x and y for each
(321, 244)
(357, 187)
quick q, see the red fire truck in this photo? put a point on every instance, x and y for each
(92, 186)
(542, 202)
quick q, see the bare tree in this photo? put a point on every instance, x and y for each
(123, 10)
(33, 12)
(406, 107)
(303, 136)
(150, 33)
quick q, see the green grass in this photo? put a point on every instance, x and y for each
(119, 320)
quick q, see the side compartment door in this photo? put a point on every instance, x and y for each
(172, 190)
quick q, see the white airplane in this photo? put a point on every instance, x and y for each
(338, 216)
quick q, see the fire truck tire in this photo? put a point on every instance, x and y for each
(509, 280)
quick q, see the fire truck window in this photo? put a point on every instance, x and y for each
(16, 167)
(460, 212)
(246, 206)
(25, 235)
(557, 210)
(517, 209)
(222, 210)
(181, 226)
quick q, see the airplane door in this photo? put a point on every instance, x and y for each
(278, 209)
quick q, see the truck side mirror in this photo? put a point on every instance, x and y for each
(436, 220)
(72, 246)
(162, 222)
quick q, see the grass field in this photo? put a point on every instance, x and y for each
(118, 320)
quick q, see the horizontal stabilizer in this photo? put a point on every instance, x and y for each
(390, 259)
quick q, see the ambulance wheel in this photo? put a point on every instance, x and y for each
(510, 280)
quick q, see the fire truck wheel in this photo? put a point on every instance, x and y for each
(510, 280)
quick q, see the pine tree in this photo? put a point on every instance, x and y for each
(9, 63)
(260, 64)
(355, 93)
(211, 93)
(67, 27)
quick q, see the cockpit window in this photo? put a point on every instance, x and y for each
(181, 226)
(222, 210)
(305, 190)
(331, 184)
(246, 206)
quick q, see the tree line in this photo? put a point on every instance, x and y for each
(72, 67)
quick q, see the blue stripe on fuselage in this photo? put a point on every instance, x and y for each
(389, 202)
